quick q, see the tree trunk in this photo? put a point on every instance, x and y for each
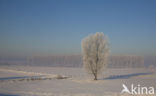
(95, 77)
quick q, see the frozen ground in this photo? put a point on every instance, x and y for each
(44, 81)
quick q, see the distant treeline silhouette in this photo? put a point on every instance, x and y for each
(115, 61)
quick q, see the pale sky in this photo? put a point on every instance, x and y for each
(50, 27)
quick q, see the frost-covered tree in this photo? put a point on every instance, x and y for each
(95, 51)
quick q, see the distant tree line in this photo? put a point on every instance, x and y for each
(115, 61)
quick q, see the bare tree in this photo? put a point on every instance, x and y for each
(95, 51)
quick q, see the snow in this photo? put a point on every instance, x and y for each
(43, 81)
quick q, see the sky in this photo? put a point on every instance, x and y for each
(55, 27)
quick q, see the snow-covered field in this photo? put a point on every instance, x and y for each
(55, 81)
